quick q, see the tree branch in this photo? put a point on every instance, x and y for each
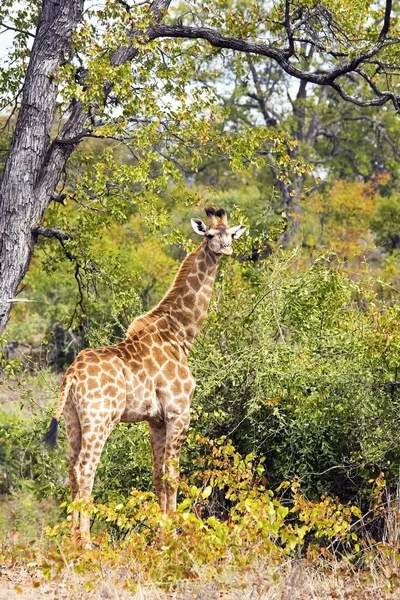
(327, 78)
(364, 56)
(74, 130)
(51, 233)
(60, 198)
(72, 141)
(289, 30)
(258, 96)
(160, 8)
(17, 29)
(386, 22)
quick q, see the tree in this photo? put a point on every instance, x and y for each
(106, 86)
(336, 139)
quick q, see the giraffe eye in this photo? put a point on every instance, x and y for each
(209, 236)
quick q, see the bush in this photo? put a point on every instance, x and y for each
(259, 523)
(300, 367)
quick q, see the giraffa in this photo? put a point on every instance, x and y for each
(144, 378)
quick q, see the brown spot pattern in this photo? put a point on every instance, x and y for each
(146, 377)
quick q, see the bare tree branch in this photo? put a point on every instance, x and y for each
(17, 29)
(289, 30)
(258, 96)
(73, 141)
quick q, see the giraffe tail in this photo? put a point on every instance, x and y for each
(50, 439)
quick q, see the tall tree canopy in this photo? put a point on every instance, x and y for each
(141, 72)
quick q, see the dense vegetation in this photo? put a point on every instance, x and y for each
(294, 445)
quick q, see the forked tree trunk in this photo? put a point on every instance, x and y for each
(34, 165)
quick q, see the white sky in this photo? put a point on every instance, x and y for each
(6, 39)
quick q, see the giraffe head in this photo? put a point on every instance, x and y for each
(218, 236)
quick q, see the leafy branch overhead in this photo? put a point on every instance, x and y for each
(348, 44)
(135, 72)
(343, 46)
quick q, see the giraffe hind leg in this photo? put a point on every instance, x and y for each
(74, 435)
(85, 468)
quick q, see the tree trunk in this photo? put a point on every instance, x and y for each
(30, 176)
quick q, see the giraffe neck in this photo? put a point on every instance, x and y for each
(188, 311)
(180, 314)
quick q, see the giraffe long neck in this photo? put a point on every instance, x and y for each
(180, 314)
(188, 310)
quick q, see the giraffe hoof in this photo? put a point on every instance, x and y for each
(87, 545)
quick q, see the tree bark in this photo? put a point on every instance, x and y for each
(29, 177)
(35, 164)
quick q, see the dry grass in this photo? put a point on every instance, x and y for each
(293, 581)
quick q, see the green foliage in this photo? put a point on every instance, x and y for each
(22, 17)
(386, 224)
(23, 515)
(298, 368)
(25, 462)
(126, 463)
(259, 523)
(108, 285)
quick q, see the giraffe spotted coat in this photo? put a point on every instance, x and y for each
(144, 378)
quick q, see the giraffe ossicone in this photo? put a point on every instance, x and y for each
(144, 378)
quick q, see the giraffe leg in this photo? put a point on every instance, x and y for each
(73, 430)
(85, 470)
(157, 441)
(176, 433)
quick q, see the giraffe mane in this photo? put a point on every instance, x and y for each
(184, 270)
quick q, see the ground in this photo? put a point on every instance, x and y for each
(294, 581)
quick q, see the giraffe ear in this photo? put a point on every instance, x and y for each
(237, 231)
(198, 226)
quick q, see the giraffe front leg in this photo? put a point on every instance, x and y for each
(74, 496)
(157, 441)
(176, 430)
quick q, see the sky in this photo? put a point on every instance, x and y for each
(6, 39)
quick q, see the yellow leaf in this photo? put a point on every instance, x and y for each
(206, 492)
(356, 511)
